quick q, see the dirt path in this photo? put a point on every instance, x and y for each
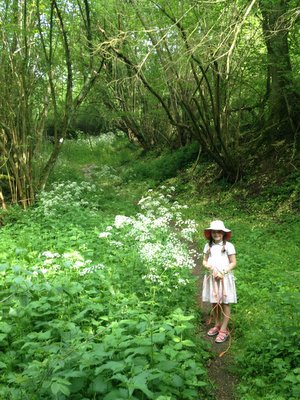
(219, 372)
(218, 368)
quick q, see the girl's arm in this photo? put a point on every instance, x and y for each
(205, 262)
(232, 263)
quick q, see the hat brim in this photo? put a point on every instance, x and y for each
(207, 234)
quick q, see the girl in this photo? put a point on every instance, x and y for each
(218, 285)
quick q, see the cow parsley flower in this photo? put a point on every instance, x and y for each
(121, 220)
(104, 235)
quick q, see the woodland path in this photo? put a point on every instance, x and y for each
(219, 366)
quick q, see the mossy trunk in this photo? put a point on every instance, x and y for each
(284, 101)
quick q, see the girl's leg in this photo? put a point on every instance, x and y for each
(224, 333)
(217, 314)
(226, 316)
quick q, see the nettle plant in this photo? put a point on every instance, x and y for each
(110, 318)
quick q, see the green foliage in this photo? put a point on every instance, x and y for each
(165, 166)
(97, 298)
(268, 314)
(265, 322)
(98, 304)
(286, 193)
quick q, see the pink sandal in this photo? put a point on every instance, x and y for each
(222, 336)
(213, 331)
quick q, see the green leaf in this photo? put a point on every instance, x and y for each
(201, 383)
(159, 337)
(44, 335)
(120, 377)
(167, 365)
(114, 366)
(5, 327)
(188, 343)
(140, 382)
(296, 391)
(57, 388)
(99, 384)
(177, 380)
(3, 365)
(116, 394)
(138, 350)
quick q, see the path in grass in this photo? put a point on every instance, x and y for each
(218, 367)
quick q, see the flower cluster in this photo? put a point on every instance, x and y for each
(162, 210)
(105, 174)
(160, 232)
(54, 262)
(63, 194)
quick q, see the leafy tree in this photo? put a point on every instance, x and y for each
(187, 62)
(47, 66)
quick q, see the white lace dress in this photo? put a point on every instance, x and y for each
(223, 290)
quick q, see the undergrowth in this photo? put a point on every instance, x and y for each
(97, 298)
(266, 321)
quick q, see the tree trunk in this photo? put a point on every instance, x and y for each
(284, 101)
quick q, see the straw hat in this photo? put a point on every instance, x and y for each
(217, 226)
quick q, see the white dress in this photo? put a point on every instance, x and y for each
(222, 290)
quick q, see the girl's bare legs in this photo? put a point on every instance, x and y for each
(225, 310)
(221, 315)
(217, 313)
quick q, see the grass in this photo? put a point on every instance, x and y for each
(266, 319)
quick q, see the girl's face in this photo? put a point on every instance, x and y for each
(217, 236)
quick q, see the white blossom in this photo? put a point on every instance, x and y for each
(49, 254)
(104, 235)
(121, 220)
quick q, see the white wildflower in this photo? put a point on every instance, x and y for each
(43, 270)
(49, 261)
(121, 220)
(49, 254)
(116, 243)
(183, 281)
(91, 269)
(78, 264)
(104, 235)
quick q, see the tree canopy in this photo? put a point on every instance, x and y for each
(224, 74)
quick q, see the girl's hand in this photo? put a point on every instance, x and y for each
(218, 275)
(207, 266)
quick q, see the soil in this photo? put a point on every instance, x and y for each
(219, 372)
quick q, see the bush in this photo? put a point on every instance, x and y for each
(165, 166)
